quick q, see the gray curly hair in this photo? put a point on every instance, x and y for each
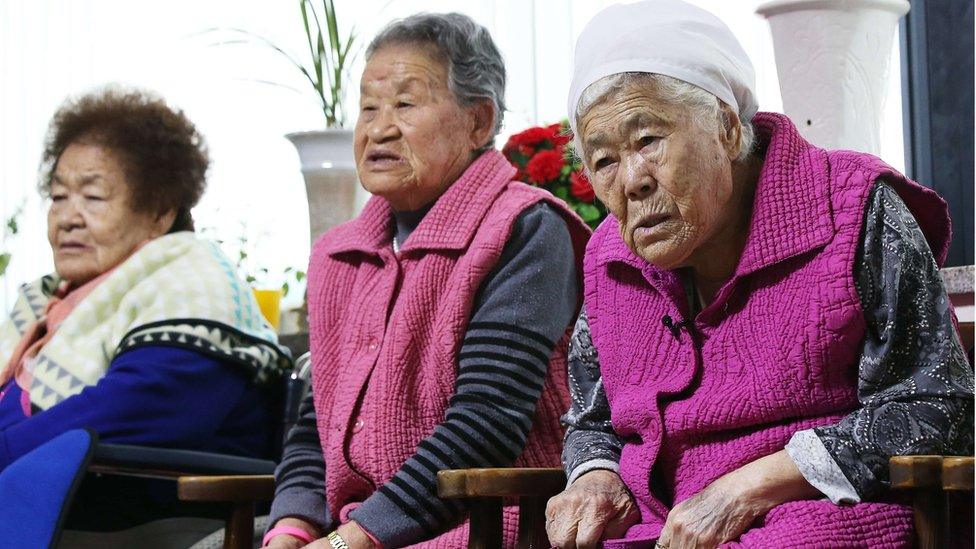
(475, 69)
(704, 105)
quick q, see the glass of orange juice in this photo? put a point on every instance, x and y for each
(270, 303)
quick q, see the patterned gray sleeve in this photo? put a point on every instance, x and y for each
(915, 385)
(590, 441)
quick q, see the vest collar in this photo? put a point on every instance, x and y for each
(791, 210)
(449, 225)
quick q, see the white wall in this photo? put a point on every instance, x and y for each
(50, 49)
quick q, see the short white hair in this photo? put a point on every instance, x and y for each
(704, 106)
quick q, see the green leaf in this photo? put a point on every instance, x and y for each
(561, 192)
(300, 275)
(4, 261)
(284, 288)
(588, 212)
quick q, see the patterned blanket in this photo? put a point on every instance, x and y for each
(177, 290)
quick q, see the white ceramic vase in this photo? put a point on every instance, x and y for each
(331, 183)
(832, 60)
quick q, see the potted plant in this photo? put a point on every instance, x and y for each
(544, 157)
(269, 286)
(326, 154)
(832, 59)
(9, 230)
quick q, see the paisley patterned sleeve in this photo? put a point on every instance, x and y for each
(915, 386)
(590, 441)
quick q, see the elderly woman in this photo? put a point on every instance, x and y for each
(764, 320)
(144, 334)
(439, 317)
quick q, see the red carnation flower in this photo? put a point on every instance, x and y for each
(545, 166)
(510, 145)
(532, 136)
(580, 187)
(558, 137)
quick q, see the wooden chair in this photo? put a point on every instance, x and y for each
(486, 490)
(233, 485)
(941, 488)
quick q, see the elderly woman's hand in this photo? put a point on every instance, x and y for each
(596, 506)
(727, 506)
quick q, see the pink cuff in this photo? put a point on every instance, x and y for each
(293, 531)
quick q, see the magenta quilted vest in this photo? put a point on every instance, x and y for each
(776, 352)
(385, 330)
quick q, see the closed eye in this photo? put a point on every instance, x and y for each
(602, 162)
(403, 105)
(648, 140)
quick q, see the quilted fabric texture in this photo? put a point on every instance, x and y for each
(386, 330)
(776, 352)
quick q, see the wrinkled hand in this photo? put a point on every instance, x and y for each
(596, 506)
(726, 507)
(717, 514)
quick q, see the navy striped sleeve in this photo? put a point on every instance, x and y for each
(523, 307)
(300, 477)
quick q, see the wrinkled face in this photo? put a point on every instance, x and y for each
(90, 224)
(412, 139)
(666, 178)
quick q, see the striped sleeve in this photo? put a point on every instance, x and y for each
(300, 477)
(523, 308)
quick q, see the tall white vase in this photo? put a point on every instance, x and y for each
(832, 59)
(330, 177)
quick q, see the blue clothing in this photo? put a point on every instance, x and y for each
(154, 396)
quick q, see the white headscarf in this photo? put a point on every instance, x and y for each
(667, 37)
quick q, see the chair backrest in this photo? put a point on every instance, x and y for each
(295, 388)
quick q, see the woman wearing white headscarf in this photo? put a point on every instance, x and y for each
(764, 323)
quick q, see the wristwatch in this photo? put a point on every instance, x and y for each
(336, 540)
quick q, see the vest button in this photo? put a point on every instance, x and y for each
(358, 426)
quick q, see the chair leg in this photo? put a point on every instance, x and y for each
(532, 524)
(239, 527)
(959, 519)
(485, 531)
(929, 506)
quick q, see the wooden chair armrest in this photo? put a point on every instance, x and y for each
(226, 489)
(915, 472)
(957, 474)
(950, 473)
(485, 489)
(514, 482)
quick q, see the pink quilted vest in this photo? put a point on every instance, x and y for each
(776, 351)
(386, 330)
